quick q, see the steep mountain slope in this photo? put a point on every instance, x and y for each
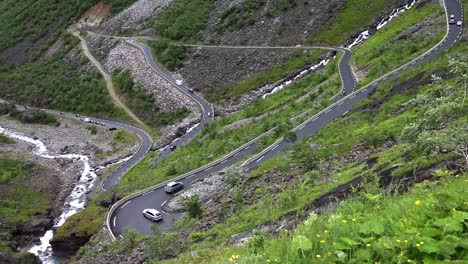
(412, 129)
(262, 23)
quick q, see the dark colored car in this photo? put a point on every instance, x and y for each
(112, 128)
(172, 148)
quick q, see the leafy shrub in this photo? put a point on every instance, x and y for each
(37, 117)
(169, 54)
(184, 19)
(142, 102)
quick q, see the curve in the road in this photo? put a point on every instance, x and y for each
(127, 212)
(107, 79)
(206, 107)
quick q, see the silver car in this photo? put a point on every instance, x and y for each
(459, 23)
(152, 214)
(173, 187)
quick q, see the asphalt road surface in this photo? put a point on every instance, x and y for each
(128, 211)
(207, 109)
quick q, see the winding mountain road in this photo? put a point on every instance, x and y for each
(127, 212)
(206, 107)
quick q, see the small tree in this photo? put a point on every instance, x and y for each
(193, 206)
(162, 244)
(290, 136)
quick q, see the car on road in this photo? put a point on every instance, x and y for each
(452, 16)
(152, 214)
(112, 128)
(178, 82)
(61, 113)
(451, 21)
(459, 23)
(172, 148)
(77, 115)
(190, 90)
(173, 187)
(209, 114)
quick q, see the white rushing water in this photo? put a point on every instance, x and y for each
(75, 202)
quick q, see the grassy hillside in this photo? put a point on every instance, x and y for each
(142, 102)
(353, 17)
(52, 83)
(20, 201)
(390, 128)
(34, 19)
(213, 141)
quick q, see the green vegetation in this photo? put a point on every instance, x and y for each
(11, 169)
(281, 6)
(300, 60)
(424, 225)
(169, 54)
(83, 224)
(32, 19)
(142, 102)
(92, 129)
(19, 202)
(6, 140)
(57, 85)
(238, 16)
(397, 131)
(184, 19)
(394, 45)
(355, 16)
(29, 116)
(214, 141)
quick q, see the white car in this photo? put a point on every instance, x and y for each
(152, 214)
(178, 82)
(459, 23)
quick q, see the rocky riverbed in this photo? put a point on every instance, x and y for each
(60, 157)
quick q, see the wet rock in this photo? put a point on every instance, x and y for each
(67, 247)
(37, 227)
(24, 257)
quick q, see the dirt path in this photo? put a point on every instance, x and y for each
(108, 80)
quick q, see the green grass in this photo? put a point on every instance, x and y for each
(384, 52)
(212, 143)
(238, 16)
(300, 60)
(184, 19)
(35, 19)
(83, 224)
(11, 169)
(54, 84)
(20, 204)
(355, 16)
(169, 54)
(336, 140)
(6, 140)
(142, 102)
(424, 225)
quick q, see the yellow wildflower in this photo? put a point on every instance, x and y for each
(318, 235)
(318, 256)
(417, 202)
(322, 241)
(354, 219)
(406, 241)
(418, 245)
(409, 261)
(422, 242)
(398, 241)
(344, 221)
(368, 245)
(328, 253)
